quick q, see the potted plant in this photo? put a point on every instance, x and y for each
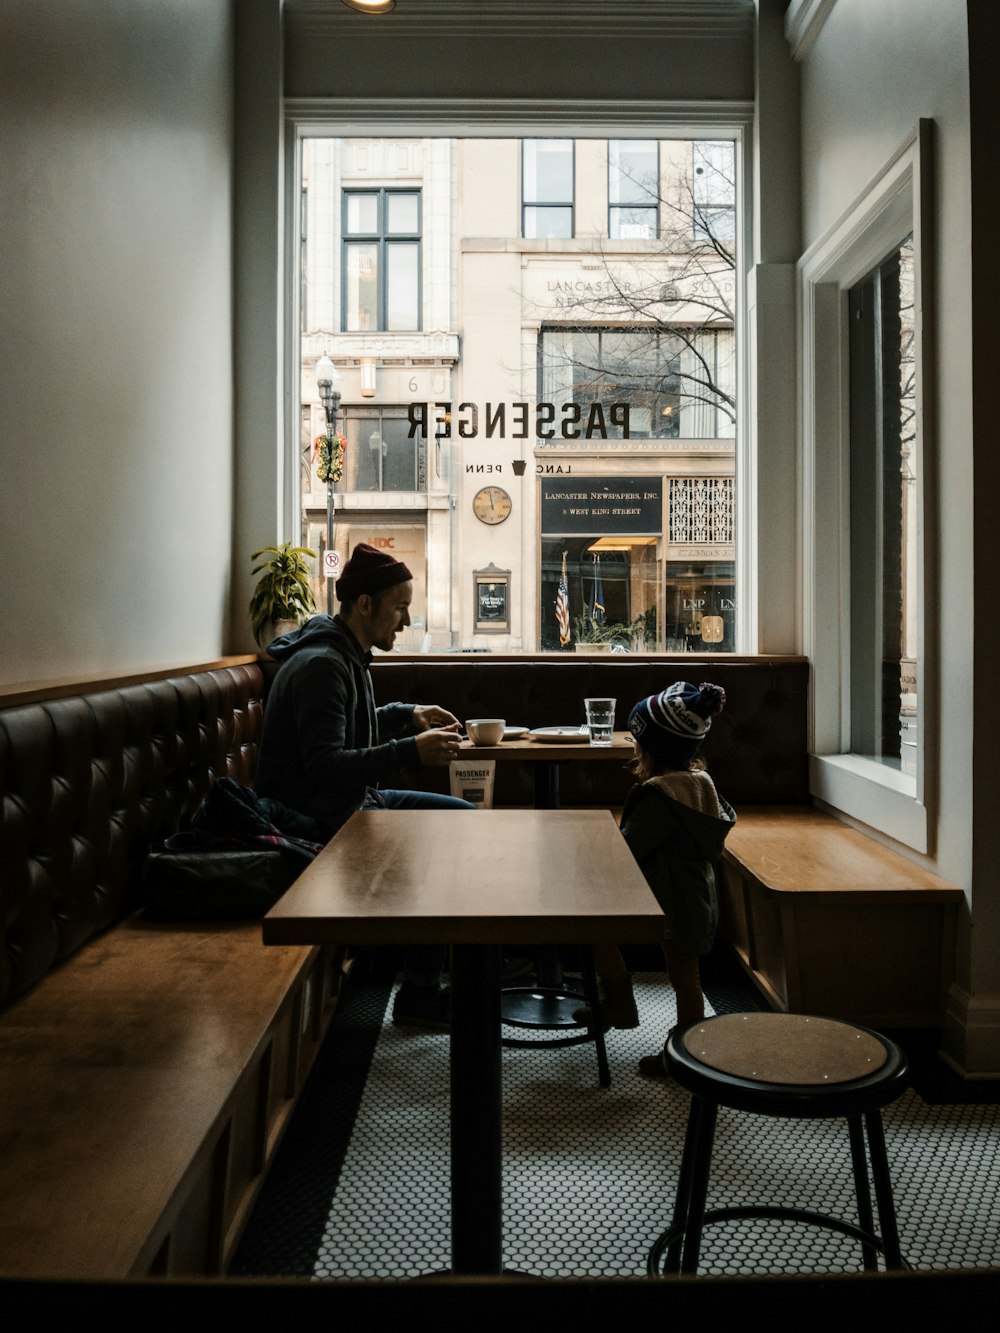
(283, 592)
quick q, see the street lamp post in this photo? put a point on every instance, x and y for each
(328, 382)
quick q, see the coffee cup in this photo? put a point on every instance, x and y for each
(485, 730)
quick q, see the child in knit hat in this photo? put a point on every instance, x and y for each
(675, 823)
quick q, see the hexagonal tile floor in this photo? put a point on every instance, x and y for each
(589, 1173)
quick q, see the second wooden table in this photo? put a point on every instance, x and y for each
(476, 881)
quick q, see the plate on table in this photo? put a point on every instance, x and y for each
(563, 735)
(513, 733)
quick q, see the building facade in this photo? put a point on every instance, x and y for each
(536, 350)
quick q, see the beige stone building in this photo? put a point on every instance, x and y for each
(538, 368)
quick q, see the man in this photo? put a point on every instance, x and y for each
(322, 750)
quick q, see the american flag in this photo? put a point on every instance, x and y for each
(562, 606)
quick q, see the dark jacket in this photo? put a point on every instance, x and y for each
(677, 847)
(321, 746)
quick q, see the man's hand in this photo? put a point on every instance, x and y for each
(426, 716)
(439, 745)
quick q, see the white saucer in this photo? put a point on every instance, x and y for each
(514, 733)
(564, 735)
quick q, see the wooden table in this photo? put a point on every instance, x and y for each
(437, 876)
(548, 755)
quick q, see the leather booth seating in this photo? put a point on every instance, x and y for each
(147, 1070)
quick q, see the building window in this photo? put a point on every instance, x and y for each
(547, 188)
(713, 192)
(701, 607)
(883, 487)
(676, 383)
(381, 230)
(380, 455)
(633, 189)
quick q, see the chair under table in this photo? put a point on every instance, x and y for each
(791, 1066)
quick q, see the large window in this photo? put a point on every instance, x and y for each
(633, 189)
(865, 347)
(547, 188)
(497, 355)
(381, 231)
(380, 455)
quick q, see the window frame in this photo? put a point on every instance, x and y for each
(894, 205)
(306, 118)
(384, 240)
(527, 203)
(379, 413)
(619, 207)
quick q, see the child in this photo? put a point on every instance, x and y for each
(675, 823)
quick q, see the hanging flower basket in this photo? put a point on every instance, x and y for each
(328, 451)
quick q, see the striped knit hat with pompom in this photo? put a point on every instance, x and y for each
(676, 721)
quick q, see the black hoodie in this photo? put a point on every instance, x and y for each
(676, 825)
(320, 748)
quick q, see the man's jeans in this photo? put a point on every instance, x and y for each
(424, 962)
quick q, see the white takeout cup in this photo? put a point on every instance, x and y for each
(485, 730)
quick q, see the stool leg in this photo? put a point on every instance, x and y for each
(682, 1199)
(883, 1190)
(591, 991)
(860, 1164)
(698, 1188)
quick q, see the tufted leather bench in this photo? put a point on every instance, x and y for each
(756, 750)
(147, 1079)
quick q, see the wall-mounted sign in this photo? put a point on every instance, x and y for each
(491, 594)
(593, 506)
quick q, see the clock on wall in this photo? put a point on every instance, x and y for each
(491, 505)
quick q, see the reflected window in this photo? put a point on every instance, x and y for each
(381, 284)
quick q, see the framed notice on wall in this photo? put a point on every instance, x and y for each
(491, 594)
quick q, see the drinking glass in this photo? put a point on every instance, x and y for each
(600, 720)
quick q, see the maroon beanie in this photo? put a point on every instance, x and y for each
(369, 571)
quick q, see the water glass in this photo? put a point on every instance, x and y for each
(600, 720)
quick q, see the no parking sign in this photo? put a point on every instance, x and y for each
(331, 564)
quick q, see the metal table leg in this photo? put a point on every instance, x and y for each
(476, 1111)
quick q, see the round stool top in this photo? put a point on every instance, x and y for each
(787, 1049)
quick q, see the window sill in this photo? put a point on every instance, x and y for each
(883, 798)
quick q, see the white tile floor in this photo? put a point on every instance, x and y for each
(589, 1173)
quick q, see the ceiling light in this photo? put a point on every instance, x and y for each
(371, 6)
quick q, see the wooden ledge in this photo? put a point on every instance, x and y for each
(829, 922)
(38, 691)
(797, 849)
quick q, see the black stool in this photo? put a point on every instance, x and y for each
(784, 1065)
(550, 1005)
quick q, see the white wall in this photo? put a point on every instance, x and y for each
(872, 72)
(116, 436)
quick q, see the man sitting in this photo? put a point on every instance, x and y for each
(322, 750)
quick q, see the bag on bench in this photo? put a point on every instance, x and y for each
(239, 858)
(214, 885)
